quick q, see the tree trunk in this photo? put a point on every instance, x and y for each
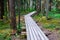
(12, 15)
(50, 2)
(8, 9)
(43, 7)
(31, 3)
(1, 9)
(38, 5)
(18, 4)
(47, 8)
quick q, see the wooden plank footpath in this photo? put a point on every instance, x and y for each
(33, 30)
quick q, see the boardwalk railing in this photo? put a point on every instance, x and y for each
(33, 30)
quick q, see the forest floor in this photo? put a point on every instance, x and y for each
(51, 28)
(5, 30)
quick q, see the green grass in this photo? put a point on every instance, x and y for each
(5, 30)
(49, 24)
(5, 34)
(4, 25)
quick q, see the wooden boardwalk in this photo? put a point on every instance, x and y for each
(33, 30)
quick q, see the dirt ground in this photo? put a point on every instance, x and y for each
(52, 35)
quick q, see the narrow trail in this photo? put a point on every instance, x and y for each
(33, 30)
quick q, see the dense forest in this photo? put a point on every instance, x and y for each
(12, 22)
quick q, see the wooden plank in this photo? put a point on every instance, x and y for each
(32, 35)
(28, 33)
(39, 31)
(31, 13)
(33, 30)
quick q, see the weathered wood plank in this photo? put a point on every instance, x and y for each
(33, 30)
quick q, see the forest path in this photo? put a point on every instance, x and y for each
(33, 30)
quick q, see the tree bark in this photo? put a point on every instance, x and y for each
(18, 4)
(1, 9)
(12, 15)
(8, 9)
(38, 5)
(47, 8)
(50, 2)
(43, 7)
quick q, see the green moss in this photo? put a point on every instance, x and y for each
(49, 24)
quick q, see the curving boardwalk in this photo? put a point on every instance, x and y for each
(33, 30)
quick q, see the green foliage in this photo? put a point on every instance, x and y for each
(31, 9)
(4, 37)
(19, 27)
(54, 14)
(49, 26)
(5, 34)
(24, 12)
(4, 29)
(4, 25)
